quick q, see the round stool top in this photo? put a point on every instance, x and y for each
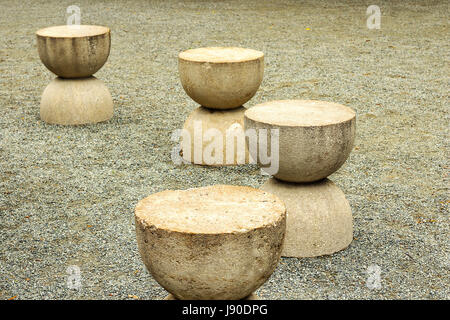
(211, 210)
(221, 54)
(301, 113)
(72, 31)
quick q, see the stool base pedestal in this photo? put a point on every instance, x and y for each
(319, 218)
(210, 131)
(250, 297)
(76, 101)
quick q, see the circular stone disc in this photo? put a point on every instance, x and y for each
(211, 210)
(72, 31)
(300, 113)
(220, 54)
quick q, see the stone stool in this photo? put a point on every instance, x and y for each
(315, 139)
(221, 80)
(221, 128)
(211, 243)
(74, 53)
(250, 297)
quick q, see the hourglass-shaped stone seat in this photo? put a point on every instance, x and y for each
(74, 53)
(209, 243)
(221, 80)
(314, 140)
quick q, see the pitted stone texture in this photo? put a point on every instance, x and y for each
(319, 217)
(250, 297)
(216, 242)
(217, 125)
(72, 51)
(315, 137)
(221, 77)
(76, 101)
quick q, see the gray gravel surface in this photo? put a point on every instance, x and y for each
(67, 194)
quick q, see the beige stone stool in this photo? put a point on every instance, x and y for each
(315, 139)
(221, 80)
(250, 297)
(221, 77)
(74, 53)
(211, 243)
(319, 218)
(76, 101)
(222, 129)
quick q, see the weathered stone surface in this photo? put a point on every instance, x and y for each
(71, 51)
(221, 77)
(315, 137)
(250, 297)
(222, 127)
(76, 101)
(216, 242)
(319, 217)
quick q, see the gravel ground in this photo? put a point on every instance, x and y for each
(67, 194)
